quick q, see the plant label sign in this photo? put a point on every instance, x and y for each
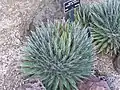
(71, 4)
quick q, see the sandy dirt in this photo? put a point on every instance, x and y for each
(15, 17)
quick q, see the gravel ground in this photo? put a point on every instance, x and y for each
(14, 16)
(104, 65)
(14, 22)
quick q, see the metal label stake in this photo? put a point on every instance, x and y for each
(69, 6)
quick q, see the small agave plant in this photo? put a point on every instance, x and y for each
(83, 15)
(60, 55)
(106, 26)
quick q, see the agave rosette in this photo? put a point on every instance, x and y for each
(59, 54)
(106, 26)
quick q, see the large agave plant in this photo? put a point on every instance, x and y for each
(106, 26)
(59, 54)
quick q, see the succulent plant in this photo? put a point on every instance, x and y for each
(83, 15)
(60, 55)
(106, 26)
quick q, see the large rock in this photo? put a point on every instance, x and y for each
(94, 83)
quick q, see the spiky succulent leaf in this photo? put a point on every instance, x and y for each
(82, 15)
(59, 55)
(106, 26)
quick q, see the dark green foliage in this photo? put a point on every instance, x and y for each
(106, 26)
(59, 54)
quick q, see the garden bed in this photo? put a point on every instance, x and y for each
(14, 24)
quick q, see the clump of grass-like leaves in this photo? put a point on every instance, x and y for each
(83, 15)
(61, 55)
(106, 26)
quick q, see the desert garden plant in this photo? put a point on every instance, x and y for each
(104, 18)
(106, 26)
(60, 55)
(83, 15)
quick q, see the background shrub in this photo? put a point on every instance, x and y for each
(106, 26)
